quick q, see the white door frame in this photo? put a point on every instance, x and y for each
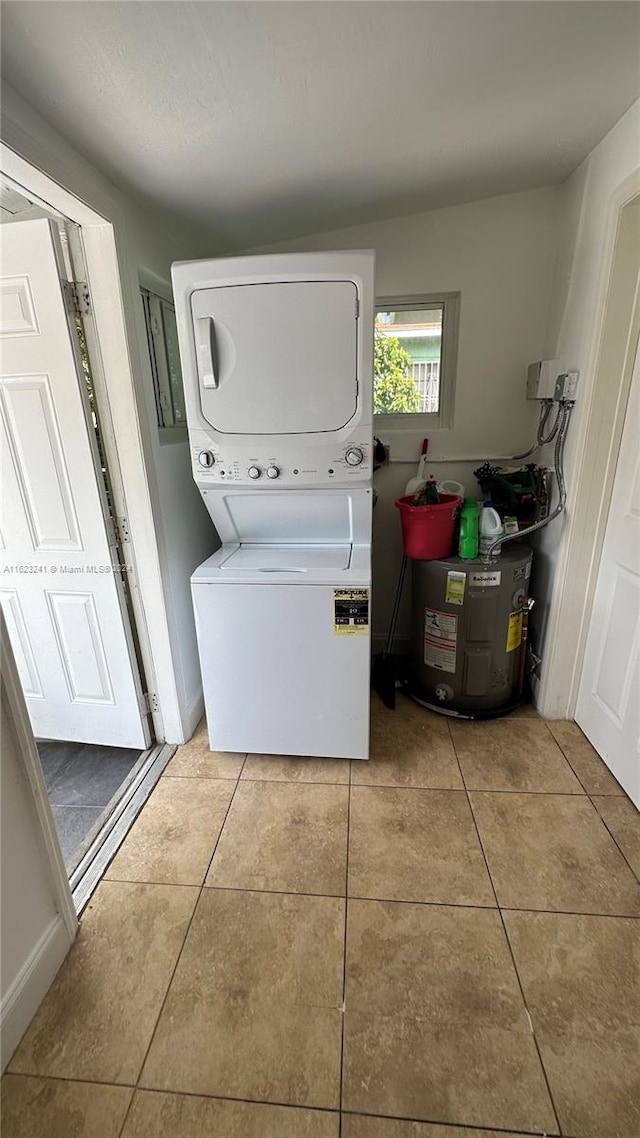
(27, 991)
(122, 424)
(597, 450)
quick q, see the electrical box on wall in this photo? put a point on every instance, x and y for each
(541, 379)
(566, 386)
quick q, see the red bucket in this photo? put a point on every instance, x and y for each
(428, 532)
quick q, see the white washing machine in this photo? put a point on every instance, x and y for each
(278, 371)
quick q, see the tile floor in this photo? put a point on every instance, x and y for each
(441, 943)
(81, 780)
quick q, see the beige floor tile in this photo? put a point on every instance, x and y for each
(363, 1126)
(253, 1008)
(581, 979)
(173, 839)
(415, 845)
(593, 773)
(284, 836)
(448, 964)
(194, 759)
(157, 1115)
(581, 974)
(98, 1017)
(290, 768)
(474, 1076)
(199, 762)
(503, 755)
(57, 1108)
(553, 852)
(409, 752)
(622, 819)
(595, 1082)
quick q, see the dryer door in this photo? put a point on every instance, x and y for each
(277, 359)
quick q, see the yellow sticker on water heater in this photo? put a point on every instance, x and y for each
(514, 631)
(456, 582)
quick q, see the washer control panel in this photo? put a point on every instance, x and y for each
(319, 466)
(354, 456)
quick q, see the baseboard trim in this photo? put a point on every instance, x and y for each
(31, 985)
(194, 714)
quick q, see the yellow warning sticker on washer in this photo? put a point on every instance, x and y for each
(514, 631)
(351, 612)
(456, 582)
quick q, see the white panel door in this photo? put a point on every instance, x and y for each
(60, 589)
(609, 697)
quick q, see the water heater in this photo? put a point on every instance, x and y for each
(467, 631)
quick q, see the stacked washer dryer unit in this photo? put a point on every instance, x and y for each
(278, 373)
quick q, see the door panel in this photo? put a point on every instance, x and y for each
(17, 311)
(608, 707)
(31, 429)
(21, 644)
(60, 585)
(277, 358)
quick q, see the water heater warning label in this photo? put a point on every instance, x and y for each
(514, 631)
(440, 640)
(351, 612)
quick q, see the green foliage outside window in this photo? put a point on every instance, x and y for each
(393, 387)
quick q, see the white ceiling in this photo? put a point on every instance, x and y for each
(262, 121)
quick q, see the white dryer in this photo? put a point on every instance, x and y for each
(277, 363)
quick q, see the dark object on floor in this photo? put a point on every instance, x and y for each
(383, 673)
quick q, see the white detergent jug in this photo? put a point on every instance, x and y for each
(491, 528)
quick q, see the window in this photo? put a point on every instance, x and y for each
(415, 341)
(162, 336)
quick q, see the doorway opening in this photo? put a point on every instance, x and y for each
(67, 568)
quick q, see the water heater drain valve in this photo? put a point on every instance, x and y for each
(444, 693)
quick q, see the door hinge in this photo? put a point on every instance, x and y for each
(118, 530)
(150, 702)
(77, 298)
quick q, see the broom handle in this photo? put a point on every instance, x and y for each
(396, 604)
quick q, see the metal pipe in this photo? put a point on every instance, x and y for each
(545, 410)
(562, 421)
(544, 441)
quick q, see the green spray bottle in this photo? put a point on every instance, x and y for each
(469, 518)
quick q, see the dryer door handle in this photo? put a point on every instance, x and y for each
(206, 351)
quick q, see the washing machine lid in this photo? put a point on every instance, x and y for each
(277, 358)
(286, 564)
(287, 558)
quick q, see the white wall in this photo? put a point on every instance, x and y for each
(186, 536)
(589, 205)
(35, 934)
(499, 253)
(179, 534)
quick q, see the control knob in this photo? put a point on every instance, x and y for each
(206, 459)
(354, 456)
(273, 472)
(254, 472)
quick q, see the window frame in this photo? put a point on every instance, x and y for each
(154, 293)
(427, 420)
